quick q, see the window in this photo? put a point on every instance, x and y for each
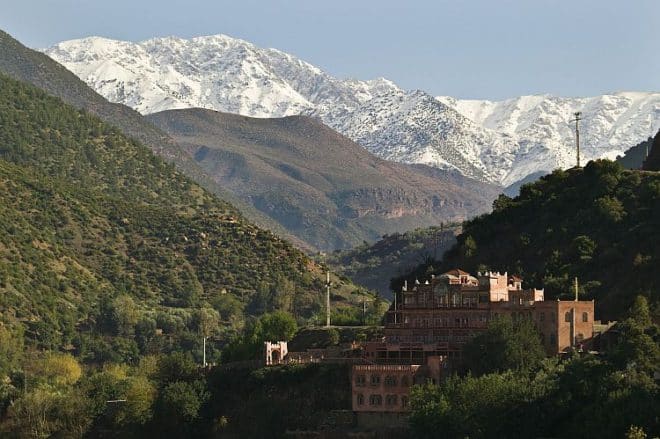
(542, 316)
(567, 316)
(360, 380)
(585, 316)
(404, 381)
(375, 380)
(391, 400)
(360, 399)
(390, 381)
(404, 401)
(375, 400)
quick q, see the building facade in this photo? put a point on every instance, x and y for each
(443, 313)
(428, 324)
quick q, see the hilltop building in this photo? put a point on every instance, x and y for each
(426, 328)
(428, 324)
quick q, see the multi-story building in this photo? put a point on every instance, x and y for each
(428, 324)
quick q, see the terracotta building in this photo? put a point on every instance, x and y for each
(441, 314)
(426, 327)
(428, 324)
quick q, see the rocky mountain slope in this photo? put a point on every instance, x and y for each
(499, 142)
(316, 183)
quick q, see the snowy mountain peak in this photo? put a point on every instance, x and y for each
(499, 142)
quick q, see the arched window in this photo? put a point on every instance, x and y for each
(390, 381)
(360, 399)
(391, 400)
(375, 380)
(567, 316)
(375, 400)
(360, 380)
(585, 316)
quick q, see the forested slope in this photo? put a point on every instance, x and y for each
(599, 224)
(101, 238)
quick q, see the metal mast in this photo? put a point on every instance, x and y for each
(204, 347)
(577, 120)
(327, 300)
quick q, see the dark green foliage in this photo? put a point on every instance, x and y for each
(599, 224)
(100, 240)
(652, 162)
(373, 265)
(277, 326)
(634, 157)
(266, 402)
(505, 345)
(583, 396)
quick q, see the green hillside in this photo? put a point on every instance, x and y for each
(599, 224)
(634, 157)
(102, 241)
(33, 67)
(374, 265)
(652, 162)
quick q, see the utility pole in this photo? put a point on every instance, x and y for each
(327, 301)
(204, 347)
(577, 120)
(576, 288)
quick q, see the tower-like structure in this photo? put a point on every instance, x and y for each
(327, 300)
(578, 118)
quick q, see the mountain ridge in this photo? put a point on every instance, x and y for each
(316, 182)
(523, 136)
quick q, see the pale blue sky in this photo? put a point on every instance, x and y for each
(489, 49)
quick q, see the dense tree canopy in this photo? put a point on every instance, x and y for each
(584, 395)
(599, 224)
(505, 345)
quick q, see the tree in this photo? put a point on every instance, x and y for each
(469, 247)
(275, 326)
(177, 366)
(140, 397)
(278, 325)
(207, 321)
(125, 314)
(11, 349)
(504, 345)
(640, 312)
(475, 407)
(57, 369)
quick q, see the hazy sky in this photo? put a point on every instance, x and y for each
(489, 49)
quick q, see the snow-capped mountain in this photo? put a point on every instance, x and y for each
(499, 142)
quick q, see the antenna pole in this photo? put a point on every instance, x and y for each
(327, 300)
(577, 120)
(204, 347)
